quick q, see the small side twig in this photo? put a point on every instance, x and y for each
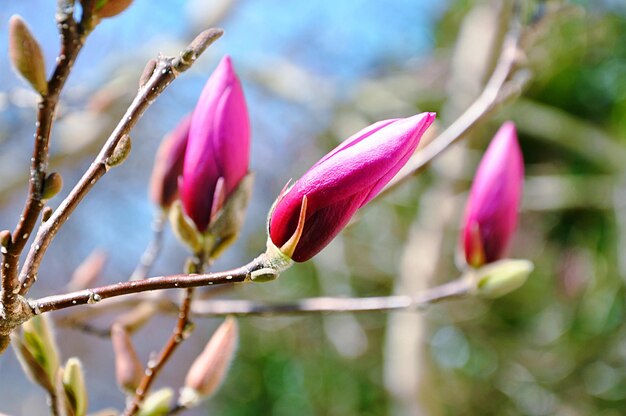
(180, 332)
(454, 289)
(154, 367)
(166, 70)
(153, 249)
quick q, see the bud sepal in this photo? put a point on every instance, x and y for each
(499, 278)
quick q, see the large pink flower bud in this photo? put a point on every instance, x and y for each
(218, 147)
(168, 165)
(492, 209)
(310, 214)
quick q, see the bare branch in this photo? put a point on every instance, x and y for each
(72, 40)
(154, 367)
(454, 289)
(180, 281)
(167, 69)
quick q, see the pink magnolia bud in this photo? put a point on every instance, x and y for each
(310, 214)
(128, 368)
(168, 165)
(218, 148)
(492, 209)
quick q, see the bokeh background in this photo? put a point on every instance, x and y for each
(314, 73)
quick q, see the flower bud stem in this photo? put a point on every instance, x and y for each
(180, 281)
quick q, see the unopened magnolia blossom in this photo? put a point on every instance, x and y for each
(218, 148)
(311, 213)
(168, 165)
(492, 208)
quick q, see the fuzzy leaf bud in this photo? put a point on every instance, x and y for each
(26, 55)
(157, 403)
(73, 381)
(120, 153)
(38, 339)
(52, 185)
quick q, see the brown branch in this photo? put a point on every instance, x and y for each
(180, 332)
(154, 367)
(181, 281)
(73, 35)
(53, 402)
(454, 289)
(167, 69)
(498, 89)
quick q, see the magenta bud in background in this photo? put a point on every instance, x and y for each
(218, 148)
(492, 209)
(168, 165)
(310, 214)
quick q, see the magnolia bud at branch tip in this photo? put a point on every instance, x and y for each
(491, 213)
(209, 370)
(73, 381)
(307, 216)
(26, 55)
(218, 147)
(38, 339)
(128, 368)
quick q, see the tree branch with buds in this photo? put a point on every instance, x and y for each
(163, 72)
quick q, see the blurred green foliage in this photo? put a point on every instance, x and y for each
(555, 346)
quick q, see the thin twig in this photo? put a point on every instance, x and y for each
(167, 69)
(213, 308)
(180, 281)
(455, 289)
(73, 35)
(153, 249)
(180, 332)
(154, 367)
(496, 91)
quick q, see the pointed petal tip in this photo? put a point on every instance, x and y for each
(226, 63)
(508, 131)
(423, 119)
